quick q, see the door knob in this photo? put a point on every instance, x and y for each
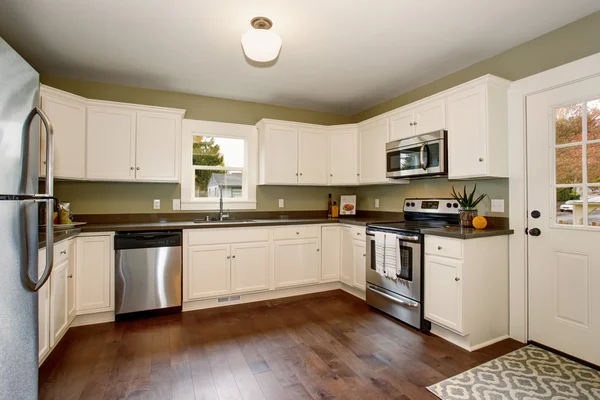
(534, 232)
(535, 214)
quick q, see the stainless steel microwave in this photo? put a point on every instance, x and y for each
(418, 156)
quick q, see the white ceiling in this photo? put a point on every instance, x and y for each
(340, 56)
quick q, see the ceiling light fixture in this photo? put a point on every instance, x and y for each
(259, 43)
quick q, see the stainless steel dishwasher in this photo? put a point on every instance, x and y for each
(147, 273)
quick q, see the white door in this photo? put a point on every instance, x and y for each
(312, 156)
(71, 271)
(281, 154)
(68, 121)
(43, 309)
(563, 136)
(443, 291)
(94, 288)
(467, 134)
(330, 253)
(402, 125)
(430, 117)
(297, 262)
(110, 143)
(250, 270)
(343, 157)
(373, 138)
(359, 258)
(59, 320)
(347, 256)
(209, 271)
(158, 147)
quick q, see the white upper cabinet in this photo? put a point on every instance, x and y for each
(373, 137)
(158, 147)
(312, 156)
(430, 116)
(343, 156)
(478, 131)
(402, 124)
(67, 114)
(110, 143)
(278, 158)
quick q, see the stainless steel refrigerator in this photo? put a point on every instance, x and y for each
(19, 200)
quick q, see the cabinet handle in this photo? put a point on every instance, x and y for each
(414, 123)
(44, 162)
(63, 252)
(358, 233)
(70, 276)
(439, 247)
(233, 256)
(228, 257)
(296, 174)
(364, 254)
(357, 174)
(297, 233)
(138, 168)
(300, 173)
(318, 249)
(330, 174)
(411, 124)
(480, 159)
(132, 168)
(457, 279)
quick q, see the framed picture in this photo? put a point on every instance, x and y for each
(348, 205)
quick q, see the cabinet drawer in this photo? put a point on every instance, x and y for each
(228, 235)
(61, 251)
(296, 232)
(443, 247)
(359, 232)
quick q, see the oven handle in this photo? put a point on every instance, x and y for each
(424, 164)
(405, 303)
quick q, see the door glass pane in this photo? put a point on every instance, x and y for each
(212, 183)
(569, 124)
(569, 204)
(214, 151)
(406, 263)
(594, 206)
(593, 119)
(568, 165)
(593, 163)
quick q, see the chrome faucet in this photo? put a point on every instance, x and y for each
(222, 215)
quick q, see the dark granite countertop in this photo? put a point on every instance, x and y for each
(457, 232)
(58, 236)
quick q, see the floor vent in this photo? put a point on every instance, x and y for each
(226, 299)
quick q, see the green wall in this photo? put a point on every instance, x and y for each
(571, 42)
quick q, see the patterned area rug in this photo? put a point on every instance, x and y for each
(526, 374)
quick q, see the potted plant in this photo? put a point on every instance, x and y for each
(468, 204)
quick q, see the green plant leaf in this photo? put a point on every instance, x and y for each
(479, 200)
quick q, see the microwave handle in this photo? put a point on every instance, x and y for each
(424, 164)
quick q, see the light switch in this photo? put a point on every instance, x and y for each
(376, 203)
(176, 204)
(156, 204)
(497, 205)
(280, 203)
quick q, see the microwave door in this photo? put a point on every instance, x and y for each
(403, 162)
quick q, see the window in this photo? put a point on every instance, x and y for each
(218, 160)
(577, 163)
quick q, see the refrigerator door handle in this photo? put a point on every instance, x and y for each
(47, 197)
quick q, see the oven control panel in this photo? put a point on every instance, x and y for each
(434, 206)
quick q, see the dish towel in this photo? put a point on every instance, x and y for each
(391, 256)
(380, 253)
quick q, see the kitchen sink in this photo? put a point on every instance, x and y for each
(226, 221)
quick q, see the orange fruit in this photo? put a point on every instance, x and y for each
(479, 222)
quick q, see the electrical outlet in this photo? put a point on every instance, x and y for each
(497, 205)
(280, 203)
(156, 204)
(176, 204)
(376, 203)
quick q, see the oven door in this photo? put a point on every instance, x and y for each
(410, 253)
(416, 160)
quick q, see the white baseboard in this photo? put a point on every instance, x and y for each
(354, 291)
(260, 296)
(463, 341)
(91, 319)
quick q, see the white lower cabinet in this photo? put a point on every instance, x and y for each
(353, 257)
(43, 309)
(209, 271)
(297, 262)
(95, 271)
(59, 321)
(359, 262)
(250, 267)
(71, 271)
(347, 256)
(443, 291)
(330, 253)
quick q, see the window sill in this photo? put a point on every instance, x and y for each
(214, 205)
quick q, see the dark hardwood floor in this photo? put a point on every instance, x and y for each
(322, 346)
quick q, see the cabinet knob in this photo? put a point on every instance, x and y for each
(132, 168)
(357, 174)
(414, 123)
(300, 173)
(63, 252)
(358, 233)
(411, 124)
(233, 256)
(457, 279)
(228, 257)
(138, 168)
(70, 276)
(296, 174)
(480, 159)
(44, 162)
(297, 233)
(318, 249)
(439, 247)
(330, 174)
(364, 254)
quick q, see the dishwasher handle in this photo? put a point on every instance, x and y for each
(145, 240)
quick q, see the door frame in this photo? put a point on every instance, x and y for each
(563, 75)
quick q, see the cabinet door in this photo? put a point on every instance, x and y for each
(110, 143)
(43, 309)
(343, 157)
(68, 120)
(443, 292)
(59, 321)
(71, 271)
(250, 267)
(312, 156)
(297, 262)
(281, 154)
(430, 117)
(95, 275)
(158, 147)
(373, 138)
(330, 253)
(467, 134)
(208, 271)
(402, 125)
(359, 258)
(347, 256)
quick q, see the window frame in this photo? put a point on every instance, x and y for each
(249, 133)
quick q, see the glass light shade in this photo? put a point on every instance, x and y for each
(261, 45)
